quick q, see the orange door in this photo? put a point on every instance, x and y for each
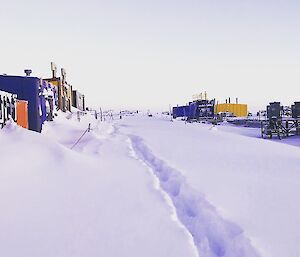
(22, 113)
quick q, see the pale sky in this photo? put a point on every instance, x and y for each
(149, 54)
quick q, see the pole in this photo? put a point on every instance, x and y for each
(101, 117)
(170, 110)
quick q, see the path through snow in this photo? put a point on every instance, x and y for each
(213, 236)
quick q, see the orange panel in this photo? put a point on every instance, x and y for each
(22, 113)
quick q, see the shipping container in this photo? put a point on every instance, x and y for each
(181, 111)
(29, 89)
(238, 110)
(22, 113)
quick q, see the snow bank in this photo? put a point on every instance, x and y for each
(93, 201)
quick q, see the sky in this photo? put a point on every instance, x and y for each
(134, 54)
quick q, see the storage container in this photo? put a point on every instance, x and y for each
(28, 89)
(239, 110)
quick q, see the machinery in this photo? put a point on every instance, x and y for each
(279, 124)
(63, 89)
(196, 110)
(8, 107)
(201, 110)
(296, 110)
(78, 100)
(48, 100)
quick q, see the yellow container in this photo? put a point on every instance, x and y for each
(239, 110)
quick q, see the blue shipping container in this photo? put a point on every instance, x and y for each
(28, 89)
(181, 111)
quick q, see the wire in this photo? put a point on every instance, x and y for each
(87, 130)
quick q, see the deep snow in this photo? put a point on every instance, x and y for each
(96, 200)
(252, 183)
(145, 186)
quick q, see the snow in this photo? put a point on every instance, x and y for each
(212, 235)
(252, 183)
(256, 132)
(96, 200)
(145, 186)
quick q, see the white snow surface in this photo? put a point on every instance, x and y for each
(94, 200)
(240, 194)
(147, 187)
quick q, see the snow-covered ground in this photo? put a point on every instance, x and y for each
(241, 190)
(145, 186)
(256, 132)
(94, 200)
